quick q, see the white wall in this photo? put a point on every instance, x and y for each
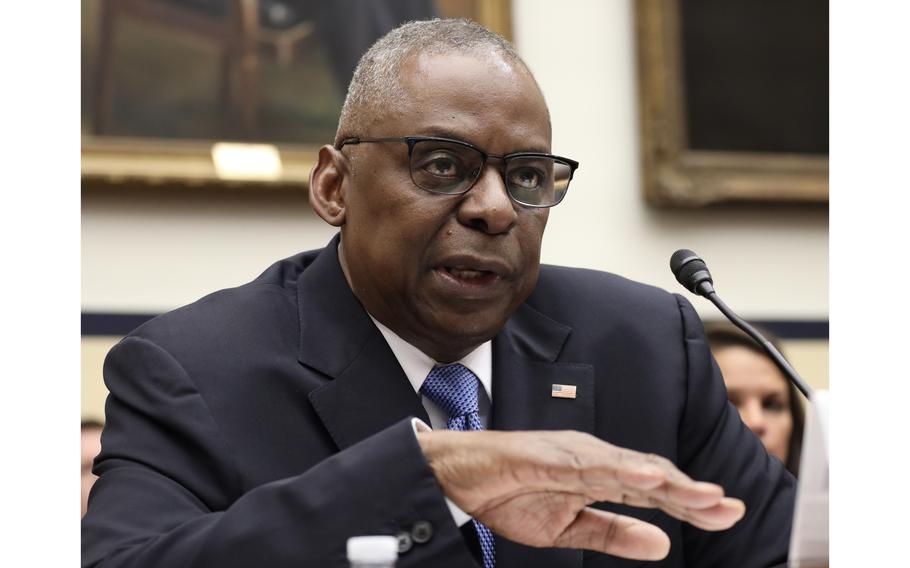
(155, 251)
(146, 252)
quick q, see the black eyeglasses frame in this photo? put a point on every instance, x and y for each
(412, 140)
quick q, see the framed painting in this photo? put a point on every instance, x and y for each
(228, 93)
(733, 101)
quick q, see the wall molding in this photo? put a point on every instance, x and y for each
(118, 324)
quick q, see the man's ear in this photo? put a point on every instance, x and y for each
(327, 191)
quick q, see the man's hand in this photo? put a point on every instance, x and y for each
(535, 488)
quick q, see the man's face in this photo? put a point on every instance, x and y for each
(446, 271)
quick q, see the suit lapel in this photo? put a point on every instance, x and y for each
(524, 372)
(369, 390)
(523, 399)
(371, 394)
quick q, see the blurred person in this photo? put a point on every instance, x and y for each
(767, 402)
(266, 424)
(91, 446)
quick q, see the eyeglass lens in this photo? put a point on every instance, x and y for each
(446, 167)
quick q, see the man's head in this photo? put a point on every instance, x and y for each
(443, 271)
(375, 87)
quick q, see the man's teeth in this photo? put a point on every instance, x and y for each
(466, 273)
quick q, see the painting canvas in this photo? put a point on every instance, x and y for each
(733, 99)
(163, 80)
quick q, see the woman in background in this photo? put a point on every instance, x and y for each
(91, 445)
(768, 404)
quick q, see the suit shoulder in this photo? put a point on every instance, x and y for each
(593, 303)
(562, 285)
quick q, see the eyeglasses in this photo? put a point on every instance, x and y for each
(452, 167)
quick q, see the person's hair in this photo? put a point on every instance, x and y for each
(375, 86)
(722, 334)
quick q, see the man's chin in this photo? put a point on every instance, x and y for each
(457, 333)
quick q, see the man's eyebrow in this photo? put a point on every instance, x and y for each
(440, 132)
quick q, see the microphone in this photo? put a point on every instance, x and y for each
(692, 272)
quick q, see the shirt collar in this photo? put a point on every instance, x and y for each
(417, 364)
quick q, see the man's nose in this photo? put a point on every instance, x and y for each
(753, 416)
(487, 206)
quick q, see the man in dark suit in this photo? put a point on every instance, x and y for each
(266, 424)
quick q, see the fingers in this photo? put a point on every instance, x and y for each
(511, 464)
(701, 504)
(719, 517)
(614, 534)
(648, 480)
(641, 476)
(685, 492)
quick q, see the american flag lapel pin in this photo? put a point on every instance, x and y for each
(563, 391)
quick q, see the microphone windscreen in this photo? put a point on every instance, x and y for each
(685, 264)
(679, 258)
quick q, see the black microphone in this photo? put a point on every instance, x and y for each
(692, 272)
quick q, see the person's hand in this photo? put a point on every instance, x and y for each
(535, 488)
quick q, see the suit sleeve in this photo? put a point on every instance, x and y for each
(714, 445)
(168, 493)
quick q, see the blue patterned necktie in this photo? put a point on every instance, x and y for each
(453, 388)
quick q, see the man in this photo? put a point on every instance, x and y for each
(267, 424)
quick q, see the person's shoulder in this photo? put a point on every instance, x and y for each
(270, 296)
(606, 309)
(596, 288)
(594, 300)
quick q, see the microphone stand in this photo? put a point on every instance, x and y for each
(776, 355)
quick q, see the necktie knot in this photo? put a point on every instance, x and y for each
(453, 388)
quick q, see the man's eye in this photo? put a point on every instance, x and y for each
(525, 178)
(442, 165)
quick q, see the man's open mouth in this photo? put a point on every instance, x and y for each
(473, 278)
(466, 273)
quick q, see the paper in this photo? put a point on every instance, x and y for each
(809, 539)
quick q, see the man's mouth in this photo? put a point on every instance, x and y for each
(466, 273)
(473, 278)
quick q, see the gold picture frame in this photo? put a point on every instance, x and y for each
(675, 174)
(113, 162)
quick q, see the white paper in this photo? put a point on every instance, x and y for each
(809, 539)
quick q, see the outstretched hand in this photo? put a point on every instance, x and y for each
(535, 488)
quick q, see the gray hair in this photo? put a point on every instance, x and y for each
(375, 84)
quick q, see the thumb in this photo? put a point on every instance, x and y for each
(614, 534)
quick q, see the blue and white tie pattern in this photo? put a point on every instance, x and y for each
(453, 388)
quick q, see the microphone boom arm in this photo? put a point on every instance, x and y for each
(776, 355)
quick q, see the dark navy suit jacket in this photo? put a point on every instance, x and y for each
(264, 425)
